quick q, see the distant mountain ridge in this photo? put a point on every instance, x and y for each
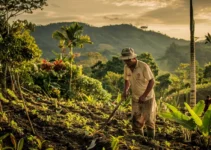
(108, 40)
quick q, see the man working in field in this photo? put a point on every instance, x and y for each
(140, 78)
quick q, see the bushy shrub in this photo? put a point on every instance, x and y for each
(56, 77)
(113, 82)
(91, 87)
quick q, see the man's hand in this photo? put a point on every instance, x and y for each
(125, 95)
(142, 98)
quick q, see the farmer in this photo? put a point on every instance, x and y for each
(207, 103)
(140, 78)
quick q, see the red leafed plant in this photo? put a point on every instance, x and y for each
(59, 65)
(46, 65)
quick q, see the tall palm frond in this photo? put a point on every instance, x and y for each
(59, 35)
(79, 42)
(208, 38)
(70, 37)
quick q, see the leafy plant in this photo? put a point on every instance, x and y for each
(115, 142)
(133, 147)
(38, 142)
(19, 145)
(90, 86)
(194, 121)
(71, 37)
(16, 145)
(167, 144)
(12, 94)
(3, 98)
(3, 116)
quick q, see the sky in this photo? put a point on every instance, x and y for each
(170, 17)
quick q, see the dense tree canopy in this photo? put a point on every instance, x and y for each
(12, 8)
(19, 45)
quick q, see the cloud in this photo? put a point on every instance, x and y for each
(55, 5)
(157, 14)
(157, 3)
(178, 12)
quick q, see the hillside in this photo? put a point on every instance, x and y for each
(108, 40)
(74, 125)
(176, 54)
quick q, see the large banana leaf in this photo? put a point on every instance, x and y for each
(189, 124)
(195, 117)
(177, 113)
(199, 108)
(206, 123)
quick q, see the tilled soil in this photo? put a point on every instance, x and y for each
(51, 123)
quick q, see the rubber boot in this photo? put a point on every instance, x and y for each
(151, 133)
(138, 131)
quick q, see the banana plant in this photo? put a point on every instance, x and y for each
(193, 122)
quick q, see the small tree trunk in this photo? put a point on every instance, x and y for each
(192, 59)
(11, 79)
(24, 103)
(71, 72)
(4, 79)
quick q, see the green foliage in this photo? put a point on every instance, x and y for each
(194, 121)
(18, 7)
(2, 98)
(88, 59)
(207, 70)
(12, 94)
(71, 37)
(90, 87)
(115, 142)
(147, 58)
(19, 45)
(202, 91)
(179, 117)
(199, 108)
(108, 40)
(180, 79)
(38, 143)
(183, 73)
(195, 117)
(206, 123)
(53, 78)
(176, 54)
(99, 70)
(113, 82)
(163, 84)
(17, 145)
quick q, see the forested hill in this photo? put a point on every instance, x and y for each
(108, 40)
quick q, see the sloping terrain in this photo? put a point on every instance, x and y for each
(74, 125)
(108, 40)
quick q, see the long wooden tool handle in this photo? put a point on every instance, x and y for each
(112, 114)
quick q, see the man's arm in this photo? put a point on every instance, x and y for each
(126, 88)
(148, 89)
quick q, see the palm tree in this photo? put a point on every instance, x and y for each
(208, 38)
(71, 37)
(192, 59)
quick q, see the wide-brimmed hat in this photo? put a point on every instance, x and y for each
(127, 53)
